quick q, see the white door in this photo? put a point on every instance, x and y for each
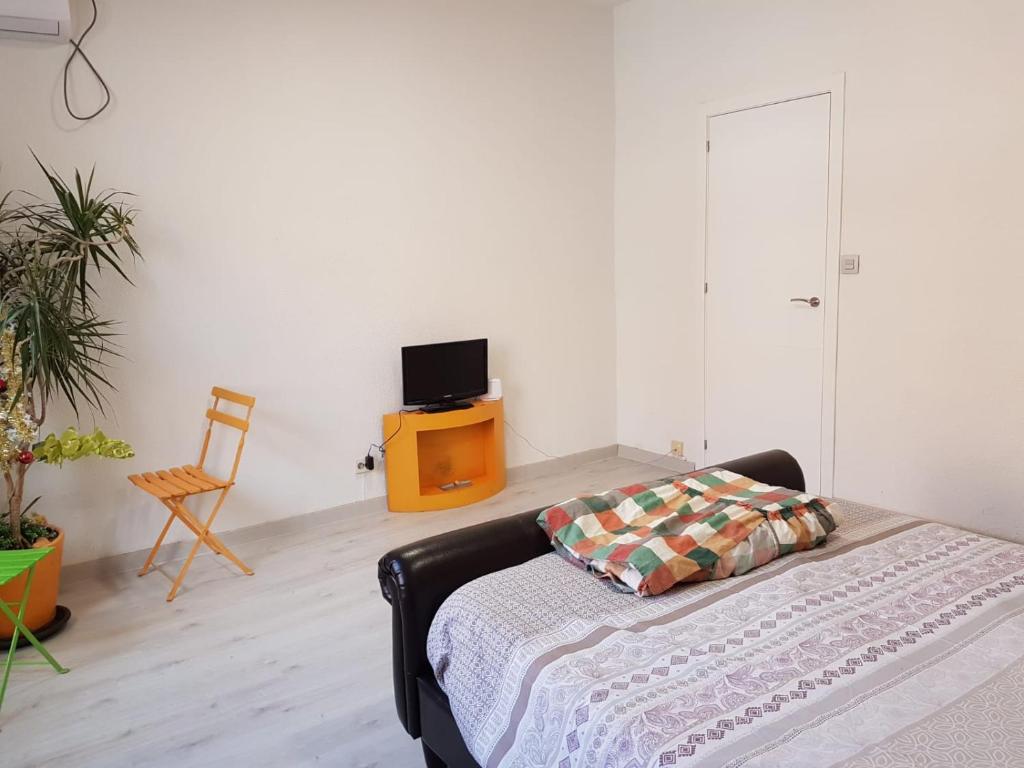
(766, 254)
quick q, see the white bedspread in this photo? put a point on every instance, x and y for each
(897, 639)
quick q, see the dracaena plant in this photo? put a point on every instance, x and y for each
(54, 342)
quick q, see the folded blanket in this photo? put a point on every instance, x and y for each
(707, 525)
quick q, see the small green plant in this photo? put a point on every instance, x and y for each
(33, 528)
(71, 446)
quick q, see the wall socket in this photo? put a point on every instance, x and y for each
(677, 448)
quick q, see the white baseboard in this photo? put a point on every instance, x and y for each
(177, 550)
(550, 467)
(670, 463)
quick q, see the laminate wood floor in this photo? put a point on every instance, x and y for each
(290, 667)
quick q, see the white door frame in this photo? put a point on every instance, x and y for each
(835, 86)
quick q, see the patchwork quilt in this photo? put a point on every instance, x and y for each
(708, 525)
(895, 644)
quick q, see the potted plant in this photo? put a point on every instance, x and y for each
(53, 344)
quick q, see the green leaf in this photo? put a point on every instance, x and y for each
(52, 257)
(71, 446)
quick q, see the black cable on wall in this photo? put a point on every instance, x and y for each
(77, 45)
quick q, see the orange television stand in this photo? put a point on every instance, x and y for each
(430, 450)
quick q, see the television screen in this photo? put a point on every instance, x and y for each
(441, 373)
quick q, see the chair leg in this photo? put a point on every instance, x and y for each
(220, 549)
(9, 663)
(184, 569)
(203, 536)
(18, 621)
(218, 545)
(156, 547)
(19, 626)
(202, 530)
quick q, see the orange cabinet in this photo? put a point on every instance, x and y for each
(431, 450)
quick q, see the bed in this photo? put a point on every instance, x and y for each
(895, 642)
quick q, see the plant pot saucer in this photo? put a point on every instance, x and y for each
(45, 632)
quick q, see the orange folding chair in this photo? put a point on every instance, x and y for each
(173, 486)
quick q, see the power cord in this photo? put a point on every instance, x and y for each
(381, 447)
(653, 462)
(77, 45)
(527, 441)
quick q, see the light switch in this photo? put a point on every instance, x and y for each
(849, 264)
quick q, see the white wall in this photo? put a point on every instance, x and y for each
(322, 182)
(931, 358)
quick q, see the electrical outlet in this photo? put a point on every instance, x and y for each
(677, 448)
(362, 469)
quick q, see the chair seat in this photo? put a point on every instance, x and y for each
(15, 562)
(178, 482)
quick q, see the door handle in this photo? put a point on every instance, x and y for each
(814, 301)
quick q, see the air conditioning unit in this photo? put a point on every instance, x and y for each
(44, 20)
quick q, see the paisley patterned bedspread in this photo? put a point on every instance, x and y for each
(897, 641)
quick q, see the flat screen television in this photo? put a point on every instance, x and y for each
(439, 376)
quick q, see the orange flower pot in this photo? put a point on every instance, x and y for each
(42, 601)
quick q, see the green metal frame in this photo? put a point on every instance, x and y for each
(18, 620)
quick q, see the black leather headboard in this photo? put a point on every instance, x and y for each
(418, 577)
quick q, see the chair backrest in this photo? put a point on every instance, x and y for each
(242, 425)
